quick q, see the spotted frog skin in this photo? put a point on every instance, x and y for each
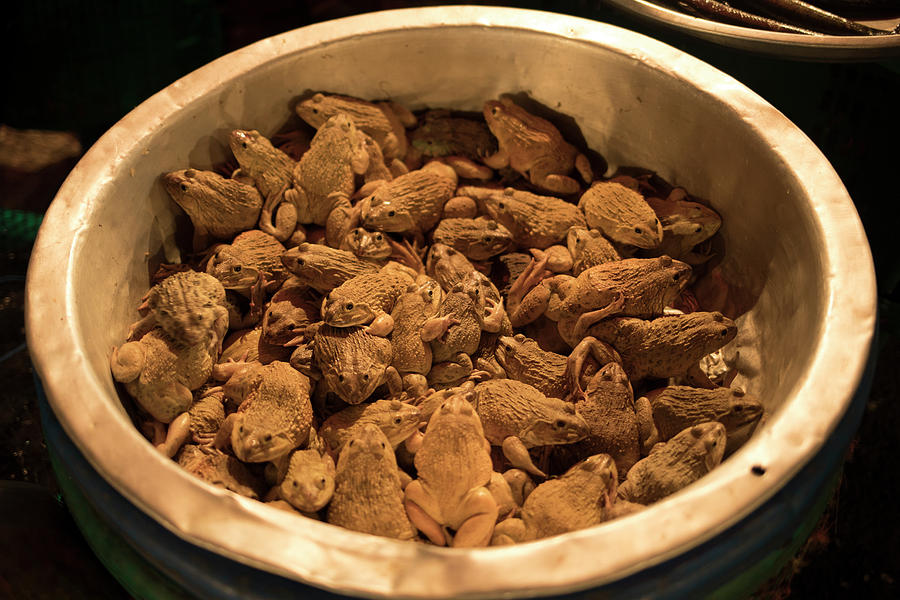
(366, 299)
(269, 168)
(252, 254)
(219, 208)
(397, 420)
(685, 224)
(533, 147)
(354, 363)
(219, 469)
(449, 502)
(477, 239)
(588, 248)
(675, 464)
(324, 268)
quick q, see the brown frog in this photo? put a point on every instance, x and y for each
(323, 181)
(516, 416)
(218, 208)
(685, 224)
(449, 502)
(269, 168)
(199, 423)
(324, 268)
(308, 485)
(274, 412)
(440, 134)
(366, 299)
(678, 407)
(160, 373)
(534, 221)
(247, 345)
(384, 121)
(354, 363)
(189, 306)
(477, 239)
(464, 313)
(397, 420)
(621, 214)
(634, 286)
(252, 255)
(412, 203)
(619, 426)
(666, 346)
(412, 353)
(288, 315)
(220, 470)
(675, 464)
(368, 496)
(588, 248)
(367, 245)
(534, 147)
(582, 497)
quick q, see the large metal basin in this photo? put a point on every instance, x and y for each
(793, 240)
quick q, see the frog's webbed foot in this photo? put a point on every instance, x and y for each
(407, 254)
(602, 352)
(478, 527)
(368, 188)
(436, 327)
(178, 433)
(491, 367)
(493, 319)
(527, 299)
(382, 325)
(587, 320)
(558, 258)
(517, 455)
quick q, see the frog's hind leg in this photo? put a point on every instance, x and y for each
(517, 455)
(527, 299)
(285, 205)
(478, 528)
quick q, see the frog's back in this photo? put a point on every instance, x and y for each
(506, 407)
(453, 461)
(263, 252)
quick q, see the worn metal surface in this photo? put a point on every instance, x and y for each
(783, 45)
(792, 234)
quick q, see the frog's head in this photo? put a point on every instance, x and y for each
(385, 215)
(458, 408)
(709, 331)
(399, 420)
(190, 318)
(642, 230)
(309, 482)
(599, 473)
(431, 293)
(368, 244)
(249, 145)
(504, 118)
(708, 441)
(502, 206)
(668, 277)
(259, 442)
(367, 440)
(354, 383)
(231, 272)
(743, 409)
(555, 422)
(447, 265)
(613, 373)
(509, 347)
(576, 239)
(315, 110)
(340, 311)
(186, 187)
(494, 239)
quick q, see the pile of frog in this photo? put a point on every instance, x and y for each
(425, 327)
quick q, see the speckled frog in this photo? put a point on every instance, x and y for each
(354, 363)
(450, 502)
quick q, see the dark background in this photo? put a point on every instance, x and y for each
(79, 67)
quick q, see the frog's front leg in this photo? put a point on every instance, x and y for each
(479, 511)
(498, 160)
(394, 382)
(140, 327)
(466, 168)
(342, 219)
(435, 327)
(520, 484)
(423, 511)
(382, 325)
(588, 319)
(493, 319)
(527, 298)
(602, 352)
(647, 430)
(508, 531)
(517, 454)
(223, 437)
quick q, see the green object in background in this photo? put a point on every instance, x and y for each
(18, 228)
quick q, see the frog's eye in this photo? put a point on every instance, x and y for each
(321, 482)
(391, 213)
(244, 145)
(495, 111)
(560, 424)
(724, 333)
(365, 376)
(356, 233)
(656, 221)
(295, 484)
(698, 230)
(349, 306)
(241, 429)
(382, 446)
(267, 438)
(638, 230)
(183, 187)
(397, 420)
(676, 276)
(341, 378)
(351, 443)
(500, 205)
(377, 237)
(236, 268)
(300, 262)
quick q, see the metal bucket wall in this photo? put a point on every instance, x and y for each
(792, 236)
